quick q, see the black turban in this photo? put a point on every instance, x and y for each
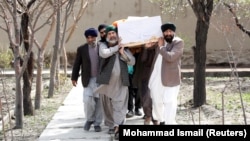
(91, 32)
(167, 26)
(101, 26)
(111, 28)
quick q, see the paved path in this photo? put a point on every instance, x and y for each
(67, 123)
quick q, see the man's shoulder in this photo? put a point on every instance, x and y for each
(82, 45)
(101, 42)
(177, 39)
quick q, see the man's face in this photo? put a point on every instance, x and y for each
(103, 34)
(112, 37)
(168, 35)
(91, 41)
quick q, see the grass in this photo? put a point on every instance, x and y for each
(231, 100)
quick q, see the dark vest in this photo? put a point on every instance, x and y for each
(106, 66)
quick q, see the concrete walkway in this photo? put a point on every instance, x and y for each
(67, 123)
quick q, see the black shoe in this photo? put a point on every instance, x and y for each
(88, 125)
(155, 122)
(111, 131)
(130, 114)
(162, 123)
(138, 112)
(144, 117)
(98, 128)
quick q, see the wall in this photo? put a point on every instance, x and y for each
(219, 42)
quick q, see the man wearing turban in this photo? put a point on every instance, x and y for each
(113, 76)
(165, 79)
(87, 61)
(105, 100)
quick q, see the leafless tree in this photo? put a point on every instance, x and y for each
(60, 39)
(11, 16)
(203, 11)
(41, 49)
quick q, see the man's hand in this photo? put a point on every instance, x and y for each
(121, 49)
(160, 42)
(74, 83)
(150, 44)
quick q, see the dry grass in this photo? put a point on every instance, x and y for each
(34, 125)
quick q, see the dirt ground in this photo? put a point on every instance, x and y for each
(233, 92)
(230, 90)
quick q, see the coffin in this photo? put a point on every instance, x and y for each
(136, 31)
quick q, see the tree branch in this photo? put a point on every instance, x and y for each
(30, 3)
(240, 26)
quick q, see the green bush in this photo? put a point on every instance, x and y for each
(6, 57)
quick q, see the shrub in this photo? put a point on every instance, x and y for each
(6, 57)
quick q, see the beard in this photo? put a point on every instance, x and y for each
(103, 39)
(93, 44)
(112, 41)
(169, 38)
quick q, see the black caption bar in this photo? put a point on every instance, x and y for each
(204, 132)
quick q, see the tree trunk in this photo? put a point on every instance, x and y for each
(203, 11)
(200, 64)
(57, 76)
(40, 65)
(28, 73)
(39, 82)
(19, 92)
(19, 104)
(55, 53)
(65, 60)
(27, 102)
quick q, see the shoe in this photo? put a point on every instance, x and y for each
(98, 128)
(111, 131)
(138, 112)
(162, 123)
(130, 114)
(88, 125)
(144, 117)
(155, 122)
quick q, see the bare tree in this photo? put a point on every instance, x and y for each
(56, 48)
(28, 73)
(203, 11)
(10, 15)
(60, 40)
(68, 12)
(23, 35)
(41, 52)
(26, 13)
